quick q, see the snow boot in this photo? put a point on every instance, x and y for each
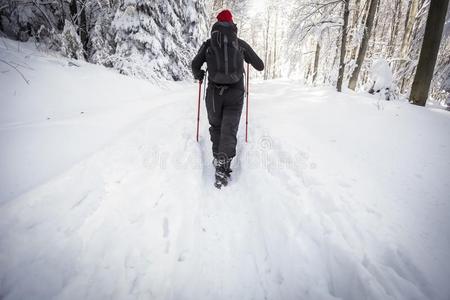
(223, 172)
(226, 165)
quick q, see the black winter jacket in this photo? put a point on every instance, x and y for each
(249, 57)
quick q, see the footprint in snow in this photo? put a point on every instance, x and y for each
(166, 227)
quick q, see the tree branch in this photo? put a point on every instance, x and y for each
(17, 70)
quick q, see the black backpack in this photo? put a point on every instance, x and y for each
(224, 57)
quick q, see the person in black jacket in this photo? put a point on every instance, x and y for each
(224, 54)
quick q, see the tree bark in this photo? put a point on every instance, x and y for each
(316, 62)
(429, 52)
(343, 48)
(308, 73)
(394, 27)
(364, 43)
(266, 47)
(409, 24)
(274, 69)
(377, 21)
(357, 17)
(83, 30)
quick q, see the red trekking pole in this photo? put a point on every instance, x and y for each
(198, 106)
(246, 104)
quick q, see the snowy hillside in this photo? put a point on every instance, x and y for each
(104, 193)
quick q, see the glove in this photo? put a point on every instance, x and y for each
(200, 75)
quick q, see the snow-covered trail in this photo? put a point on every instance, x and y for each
(141, 219)
(336, 196)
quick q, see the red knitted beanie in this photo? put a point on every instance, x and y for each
(225, 16)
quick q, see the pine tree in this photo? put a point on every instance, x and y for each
(101, 40)
(71, 45)
(157, 40)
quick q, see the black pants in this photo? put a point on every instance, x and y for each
(224, 106)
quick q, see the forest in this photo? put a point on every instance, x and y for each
(347, 44)
(225, 149)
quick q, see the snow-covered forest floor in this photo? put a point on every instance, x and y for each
(104, 192)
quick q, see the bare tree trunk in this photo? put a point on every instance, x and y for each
(429, 52)
(60, 24)
(308, 73)
(266, 47)
(336, 55)
(355, 15)
(358, 14)
(409, 24)
(364, 43)
(269, 74)
(394, 27)
(274, 69)
(377, 21)
(365, 77)
(316, 61)
(340, 79)
(401, 51)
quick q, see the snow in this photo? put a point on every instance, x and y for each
(75, 110)
(336, 195)
(381, 74)
(155, 41)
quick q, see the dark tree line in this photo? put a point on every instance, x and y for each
(149, 39)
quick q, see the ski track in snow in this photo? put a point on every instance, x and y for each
(145, 222)
(302, 218)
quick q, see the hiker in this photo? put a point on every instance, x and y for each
(224, 54)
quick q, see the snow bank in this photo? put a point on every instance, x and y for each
(381, 74)
(68, 110)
